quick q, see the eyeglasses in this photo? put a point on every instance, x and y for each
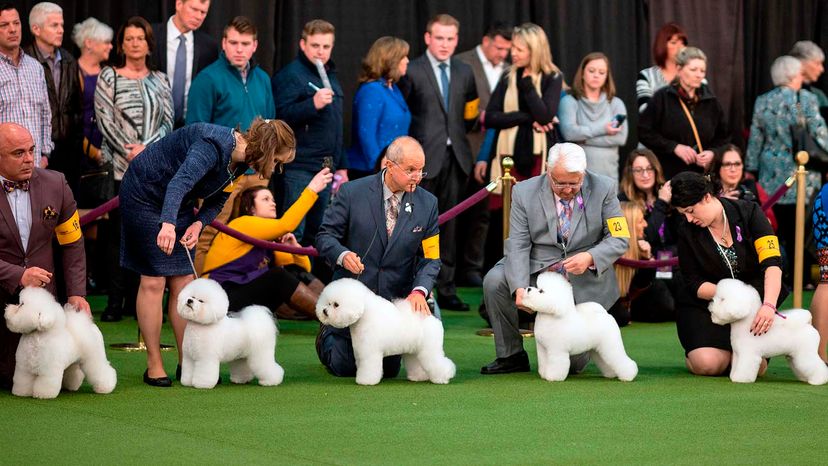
(642, 171)
(558, 185)
(410, 173)
(730, 165)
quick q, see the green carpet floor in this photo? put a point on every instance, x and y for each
(665, 416)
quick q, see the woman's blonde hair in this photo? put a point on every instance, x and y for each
(268, 140)
(383, 59)
(624, 274)
(540, 55)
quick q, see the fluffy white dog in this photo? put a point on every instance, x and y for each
(246, 339)
(380, 328)
(58, 348)
(736, 303)
(563, 329)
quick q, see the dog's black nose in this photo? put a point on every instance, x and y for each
(325, 311)
(189, 301)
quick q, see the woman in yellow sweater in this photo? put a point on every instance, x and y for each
(254, 275)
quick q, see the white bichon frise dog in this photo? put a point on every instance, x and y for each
(59, 347)
(246, 339)
(736, 303)
(380, 328)
(563, 329)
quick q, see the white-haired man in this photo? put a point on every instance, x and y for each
(567, 220)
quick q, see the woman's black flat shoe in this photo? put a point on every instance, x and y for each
(157, 381)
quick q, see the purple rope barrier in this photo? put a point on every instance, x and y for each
(639, 264)
(778, 194)
(93, 214)
(466, 203)
(307, 251)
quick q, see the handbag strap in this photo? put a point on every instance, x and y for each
(692, 125)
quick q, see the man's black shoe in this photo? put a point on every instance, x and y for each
(452, 302)
(515, 363)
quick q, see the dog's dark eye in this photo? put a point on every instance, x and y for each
(336, 304)
(540, 291)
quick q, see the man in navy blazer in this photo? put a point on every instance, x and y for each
(442, 96)
(200, 49)
(395, 259)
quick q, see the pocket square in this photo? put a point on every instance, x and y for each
(49, 213)
(417, 229)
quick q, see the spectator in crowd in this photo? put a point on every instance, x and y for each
(721, 238)
(581, 205)
(61, 72)
(94, 39)
(37, 208)
(813, 64)
(133, 108)
(669, 40)
(727, 172)
(488, 63)
(183, 51)
(160, 189)
(593, 117)
(24, 98)
(380, 113)
(442, 96)
(684, 121)
(255, 275)
(642, 299)
(233, 90)
(312, 105)
(770, 147)
(366, 218)
(525, 103)
(642, 183)
(819, 303)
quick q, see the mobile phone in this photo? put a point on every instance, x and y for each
(327, 162)
(619, 120)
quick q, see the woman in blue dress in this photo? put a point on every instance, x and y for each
(380, 113)
(160, 227)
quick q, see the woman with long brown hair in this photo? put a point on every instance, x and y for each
(158, 196)
(380, 112)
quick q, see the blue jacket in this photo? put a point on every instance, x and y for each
(380, 115)
(394, 266)
(318, 132)
(218, 95)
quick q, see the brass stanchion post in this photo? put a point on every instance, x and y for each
(507, 181)
(799, 237)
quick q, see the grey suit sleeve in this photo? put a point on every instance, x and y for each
(427, 269)
(609, 249)
(334, 227)
(519, 243)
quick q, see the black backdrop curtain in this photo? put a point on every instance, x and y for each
(740, 37)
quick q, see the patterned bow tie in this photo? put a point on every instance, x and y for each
(10, 186)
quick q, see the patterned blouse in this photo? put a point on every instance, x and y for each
(131, 111)
(769, 147)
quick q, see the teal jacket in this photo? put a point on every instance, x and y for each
(219, 96)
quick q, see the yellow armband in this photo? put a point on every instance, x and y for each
(767, 246)
(617, 227)
(471, 110)
(431, 247)
(69, 231)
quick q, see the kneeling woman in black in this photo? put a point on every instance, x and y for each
(721, 238)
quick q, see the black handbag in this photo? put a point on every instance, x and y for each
(801, 140)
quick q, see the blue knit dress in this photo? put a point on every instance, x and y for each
(163, 183)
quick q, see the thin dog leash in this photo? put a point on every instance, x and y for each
(190, 258)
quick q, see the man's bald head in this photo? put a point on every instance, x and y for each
(17, 151)
(404, 162)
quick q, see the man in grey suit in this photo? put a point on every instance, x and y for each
(442, 98)
(567, 220)
(382, 231)
(488, 62)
